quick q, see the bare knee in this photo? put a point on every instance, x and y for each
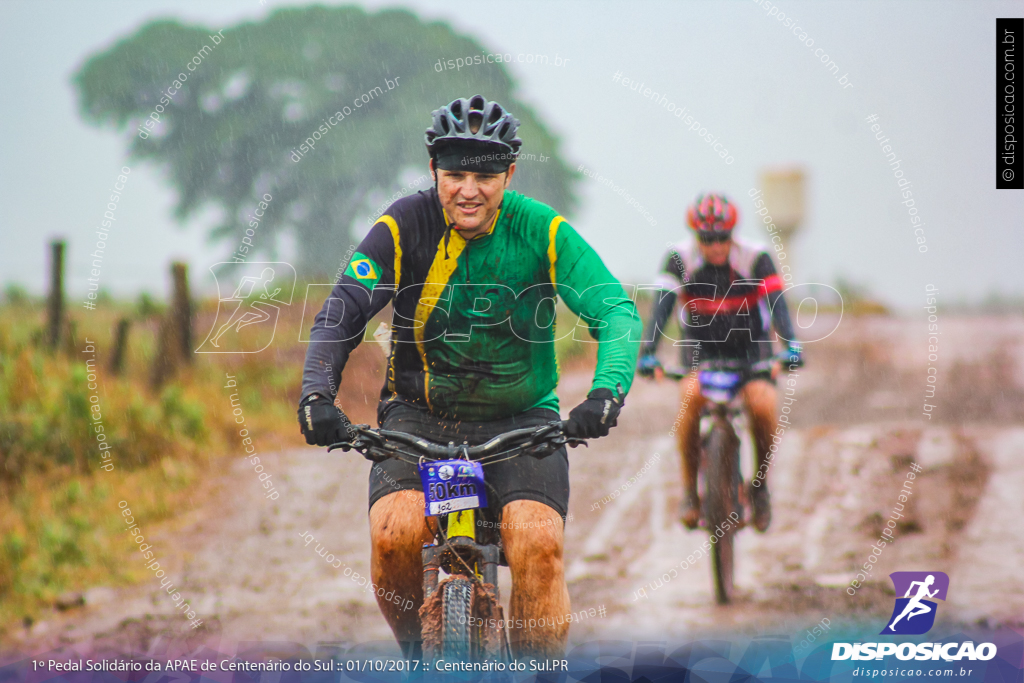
(690, 400)
(397, 524)
(532, 535)
(690, 403)
(760, 397)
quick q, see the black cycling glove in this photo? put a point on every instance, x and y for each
(595, 416)
(322, 423)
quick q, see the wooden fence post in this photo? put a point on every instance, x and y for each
(55, 309)
(174, 337)
(166, 353)
(120, 346)
(181, 311)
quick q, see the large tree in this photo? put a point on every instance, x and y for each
(227, 136)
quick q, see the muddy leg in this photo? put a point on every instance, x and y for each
(532, 535)
(759, 396)
(690, 404)
(397, 534)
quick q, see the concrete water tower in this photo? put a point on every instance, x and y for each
(783, 194)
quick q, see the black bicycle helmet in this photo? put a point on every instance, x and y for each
(474, 125)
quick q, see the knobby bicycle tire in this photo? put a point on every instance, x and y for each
(720, 483)
(456, 602)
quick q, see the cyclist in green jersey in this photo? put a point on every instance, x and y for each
(472, 270)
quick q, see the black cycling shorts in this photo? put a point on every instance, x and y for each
(545, 480)
(689, 354)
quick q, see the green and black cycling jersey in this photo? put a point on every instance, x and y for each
(473, 325)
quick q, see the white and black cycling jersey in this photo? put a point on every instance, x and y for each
(729, 309)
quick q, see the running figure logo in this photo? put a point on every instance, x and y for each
(914, 614)
(253, 305)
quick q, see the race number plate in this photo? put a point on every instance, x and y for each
(719, 386)
(452, 485)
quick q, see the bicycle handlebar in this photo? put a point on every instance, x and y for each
(535, 441)
(733, 365)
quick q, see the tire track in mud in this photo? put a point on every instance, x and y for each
(835, 483)
(832, 491)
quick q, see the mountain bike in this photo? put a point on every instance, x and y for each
(719, 479)
(461, 614)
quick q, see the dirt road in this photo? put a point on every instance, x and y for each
(857, 427)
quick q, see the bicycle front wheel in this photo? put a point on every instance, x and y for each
(456, 628)
(719, 500)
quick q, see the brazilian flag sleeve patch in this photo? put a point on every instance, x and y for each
(364, 269)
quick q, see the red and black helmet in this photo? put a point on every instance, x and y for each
(712, 213)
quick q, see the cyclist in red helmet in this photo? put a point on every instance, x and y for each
(730, 295)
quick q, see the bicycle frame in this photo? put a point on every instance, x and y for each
(456, 549)
(730, 419)
(724, 404)
(723, 498)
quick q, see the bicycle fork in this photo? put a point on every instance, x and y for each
(461, 543)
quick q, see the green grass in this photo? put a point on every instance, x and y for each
(60, 527)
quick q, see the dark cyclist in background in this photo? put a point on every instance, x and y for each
(472, 270)
(729, 294)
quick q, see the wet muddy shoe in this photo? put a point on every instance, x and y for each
(761, 504)
(689, 510)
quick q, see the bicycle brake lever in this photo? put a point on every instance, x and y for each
(368, 454)
(363, 446)
(564, 439)
(540, 451)
(364, 439)
(546, 448)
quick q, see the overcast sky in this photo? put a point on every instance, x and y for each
(926, 69)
